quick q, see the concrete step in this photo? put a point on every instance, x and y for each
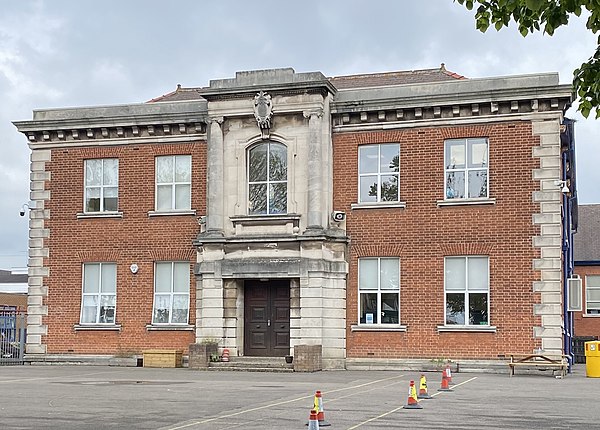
(253, 364)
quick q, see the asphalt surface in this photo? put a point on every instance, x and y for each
(94, 397)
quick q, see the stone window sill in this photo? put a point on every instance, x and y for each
(385, 205)
(467, 328)
(169, 327)
(86, 215)
(378, 327)
(172, 213)
(465, 202)
(97, 327)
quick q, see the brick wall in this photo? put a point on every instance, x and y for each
(134, 238)
(423, 233)
(586, 325)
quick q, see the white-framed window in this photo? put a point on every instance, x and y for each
(173, 182)
(379, 290)
(592, 294)
(466, 168)
(267, 179)
(379, 173)
(99, 296)
(101, 185)
(467, 290)
(171, 292)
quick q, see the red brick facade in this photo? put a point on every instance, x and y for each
(422, 234)
(586, 325)
(135, 238)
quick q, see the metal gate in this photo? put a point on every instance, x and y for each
(12, 335)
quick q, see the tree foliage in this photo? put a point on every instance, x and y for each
(547, 16)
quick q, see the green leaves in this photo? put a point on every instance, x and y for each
(533, 15)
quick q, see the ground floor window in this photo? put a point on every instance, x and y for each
(379, 290)
(592, 294)
(171, 292)
(466, 285)
(99, 296)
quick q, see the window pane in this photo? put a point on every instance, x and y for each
(111, 199)
(478, 273)
(368, 158)
(90, 307)
(164, 170)
(257, 199)
(455, 185)
(368, 189)
(183, 168)
(592, 281)
(455, 154)
(163, 197)
(162, 305)
(111, 171)
(389, 188)
(390, 274)
(92, 200)
(368, 308)
(93, 172)
(107, 309)
(367, 270)
(592, 295)
(91, 280)
(181, 277)
(389, 158)
(389, 309)
(455, 277)
(478, 153)
(180, 309)
(478, 183)
(278, 163)
(163, 278)
(278, 199)
(109, 278)
(478, 306)
(258, 163)
(455, 308)
(182, 197)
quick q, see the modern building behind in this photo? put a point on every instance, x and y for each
(386, 217)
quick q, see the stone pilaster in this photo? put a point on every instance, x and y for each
(214, 167)
(549, 310)
(38, 250)
(315, 169)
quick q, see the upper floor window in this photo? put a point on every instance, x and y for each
(171, 292)
(102, 185)
(379, 290)
(592, 294)
(267, 179)
(173, 182)
(99, 295)
(378, 173)
(467, 288)
(466, 168)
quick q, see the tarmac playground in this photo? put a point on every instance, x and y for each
(97, 397)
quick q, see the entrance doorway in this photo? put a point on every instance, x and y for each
(267, 318)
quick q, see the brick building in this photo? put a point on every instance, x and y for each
(387, 217)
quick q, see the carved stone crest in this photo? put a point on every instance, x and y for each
(263, 112)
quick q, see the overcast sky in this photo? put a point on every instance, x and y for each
(64, 53)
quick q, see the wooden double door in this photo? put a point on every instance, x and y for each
(267, 318)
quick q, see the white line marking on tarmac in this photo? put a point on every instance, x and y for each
(397, 409)
(258, 408)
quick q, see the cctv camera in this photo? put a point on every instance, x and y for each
(338, 216)
(22, 212)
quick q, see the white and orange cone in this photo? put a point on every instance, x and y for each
(313, 421)
(412, 402)
(448, 374)
(318, 406)
(444, 386)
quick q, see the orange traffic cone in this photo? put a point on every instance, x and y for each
(412, 402)
(318, 406)
(423, 388)
(313, 422)
(444, 386)
(448, 374)
(225, 356)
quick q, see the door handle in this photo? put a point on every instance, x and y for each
(268, 323)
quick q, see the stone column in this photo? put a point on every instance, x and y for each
(215, 160)
(315, 170)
